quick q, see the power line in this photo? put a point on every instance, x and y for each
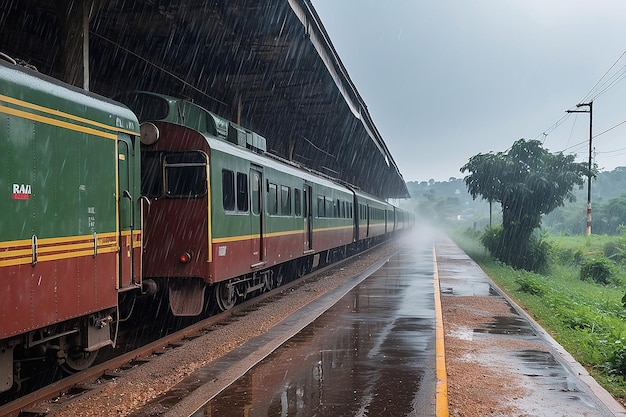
(603, 75)
(616, 78)
(609, 129)
(171, 74)
(613, 151)
(599, 88)
(577, 145)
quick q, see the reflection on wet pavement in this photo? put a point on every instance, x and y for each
(371, 354)
(463, 276)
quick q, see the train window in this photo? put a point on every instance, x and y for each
(330, 209)
(242, 192)
(337, 208)
(321, 209)
(285, 201)
(297, 202)
(228, 190)
(272, 198)
(255, 184)
(151, 174)
(343, 209)
(185, 174)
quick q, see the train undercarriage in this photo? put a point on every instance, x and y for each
(73, 345)
(190, 296)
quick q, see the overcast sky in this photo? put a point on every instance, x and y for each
(446, 79)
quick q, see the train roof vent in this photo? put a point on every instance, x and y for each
(256, 142)
(217, 126)
(237, 134)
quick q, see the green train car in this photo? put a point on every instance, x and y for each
(70, 220)
(226, 216)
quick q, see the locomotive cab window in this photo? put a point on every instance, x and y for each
(151, 174)
(185, 174)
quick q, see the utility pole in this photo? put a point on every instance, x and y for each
(590, 111)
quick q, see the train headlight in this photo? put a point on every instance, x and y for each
(149, 133)
(184, 257)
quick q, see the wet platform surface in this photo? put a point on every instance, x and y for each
(373, 352)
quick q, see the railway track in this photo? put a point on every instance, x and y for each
(82, 382)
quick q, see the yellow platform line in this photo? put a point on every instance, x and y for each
(441, 390)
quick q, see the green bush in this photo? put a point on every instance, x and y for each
(530, 285)
(536, 257)
(491, 238)
(579, 256)
(600, 270)
(563, 255)
(617, 363)
(568, 256)
(614, 250)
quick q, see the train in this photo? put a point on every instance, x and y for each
(107, 202)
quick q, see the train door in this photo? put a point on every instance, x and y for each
(126, 212)
(257, 218)
(308, 218)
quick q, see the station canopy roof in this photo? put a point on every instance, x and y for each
(268, 65)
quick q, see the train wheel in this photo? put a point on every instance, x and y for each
(225, 296)
(77, 361)
(301, 268)
(279, 279)
(269, 282)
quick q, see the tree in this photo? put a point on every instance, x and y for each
(611, 215)
(528, 182)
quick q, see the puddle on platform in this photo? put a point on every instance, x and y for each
(506, 325)
(462, 333)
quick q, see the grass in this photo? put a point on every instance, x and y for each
(586, 318)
